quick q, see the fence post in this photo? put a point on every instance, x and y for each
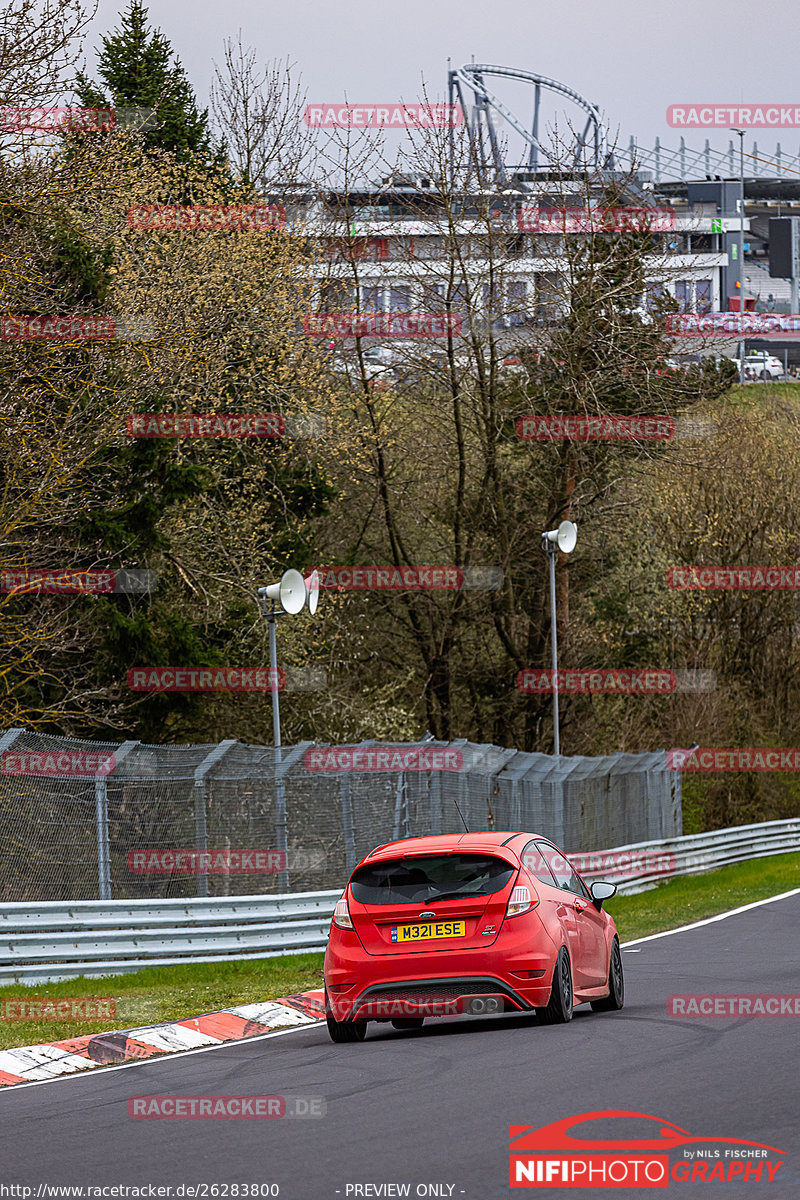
(348, 827)
(398, 806)
(282, 767)
(200, 820)
(101, 816)
(435, 793)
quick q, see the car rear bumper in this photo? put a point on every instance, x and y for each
(442, 997)
(436, 984)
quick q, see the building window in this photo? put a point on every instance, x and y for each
(705, 292)
(683, 294)
(336, 296)
(517, 308)
(372, 299)
(400, 299)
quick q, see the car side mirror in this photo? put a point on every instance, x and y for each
(602, 891)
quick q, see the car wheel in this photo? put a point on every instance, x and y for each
(765, 376)
(408, 1023)
(616, 984)
(346, 1031)
(559, 1006)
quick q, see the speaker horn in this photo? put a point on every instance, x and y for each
(312, 591)
(290, 592)
(565, 537)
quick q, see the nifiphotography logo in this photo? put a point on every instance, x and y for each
(615, 1148)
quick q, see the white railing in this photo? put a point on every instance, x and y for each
(61, 939)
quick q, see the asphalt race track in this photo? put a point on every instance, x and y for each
(434, 1107)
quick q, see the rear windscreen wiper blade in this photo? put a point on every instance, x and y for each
(450, 895)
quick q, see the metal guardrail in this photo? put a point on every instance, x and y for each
(41, 943)
(641, 866)
(44, 942)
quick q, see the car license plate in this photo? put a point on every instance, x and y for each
(428, 931)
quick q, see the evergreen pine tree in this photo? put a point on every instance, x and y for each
(138, 68)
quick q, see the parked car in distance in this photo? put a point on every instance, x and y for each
(758, 364)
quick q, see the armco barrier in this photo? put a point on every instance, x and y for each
(54, 940)
(637, 867)
(42, 943)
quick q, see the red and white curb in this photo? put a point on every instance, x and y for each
(25, 1064)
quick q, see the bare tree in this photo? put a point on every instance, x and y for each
(258, 110)
(39, 48)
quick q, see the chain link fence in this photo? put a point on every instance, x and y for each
(81, 820)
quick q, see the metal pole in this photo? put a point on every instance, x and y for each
(741, 134)
(281, 828)
(348, 828)
(201, 834)
(741, 244)
(551, 550)
(103, 850)
(273, 679)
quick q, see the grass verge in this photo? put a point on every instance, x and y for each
(171, 993)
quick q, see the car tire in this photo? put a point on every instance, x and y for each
(559, 1007)
(765, 376)
(408, 1023)
(616, 983)
(346, 1031)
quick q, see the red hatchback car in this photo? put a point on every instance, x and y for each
(468, 923)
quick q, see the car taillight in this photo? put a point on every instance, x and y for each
(520, 901)
(341, 914)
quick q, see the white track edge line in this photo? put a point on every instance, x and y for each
(710, 920)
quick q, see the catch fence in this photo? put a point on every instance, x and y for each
(83, 820)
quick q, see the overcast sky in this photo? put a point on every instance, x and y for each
(631, 57)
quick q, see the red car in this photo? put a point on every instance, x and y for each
(468, 923)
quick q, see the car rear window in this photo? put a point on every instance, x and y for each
(423, 879)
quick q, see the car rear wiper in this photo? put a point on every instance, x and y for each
(451, 895)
